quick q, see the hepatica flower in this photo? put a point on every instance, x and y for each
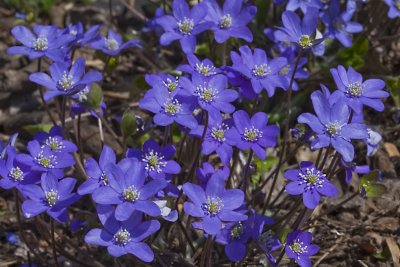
(231, 20)
(339, 25)
(129, 191)
(331, 125)
(158, 160)
(167, 81)
(211, 94)
(252, 133)
(45, 41)
(214, 205)
(52, 196)
(394, 8)
(303, 33)
(184, 25)
(261, 71)
(53, 139)
(65, 80)
(113, 44)
(310, 182)
(122, 238)
(358, 92)
(204, 174)
(169, 108)
(96, 171)
(299, 247)
(15, 174)
(287, 71)
(293, 5)
(83, 38)
(203, 68)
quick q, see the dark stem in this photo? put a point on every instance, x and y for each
(246, 170)
(286, 129)
(79, 137)
(232, 169)
(110, 11)
(327, 153)
(188, 239)
(204, 253)
(53, 242)
(63, 107)
(319, 156)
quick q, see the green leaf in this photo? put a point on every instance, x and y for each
(128, 123)
(394, 86)
(202, 49)
(371, 186)
(353, 56)
(35, 128)
(95, 96)
(375, 190)
(285, 232)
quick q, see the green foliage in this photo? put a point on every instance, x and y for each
(371, 186)
(31, 7)
(35, 128)
(263, 166)
(354, 55)
(285, 232)
(394, 85)
(95, 96)
(128, 123)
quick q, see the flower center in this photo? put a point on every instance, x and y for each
(130, 194)
(312, 178)
(225, 22)
(51, 197)
(218, 132)
(305, 41)
(206, 70)
(186, 26)
(47, 162)
(16, 174)
(285, 70)
(103, 178)
(237, 231)
(40, 44)
(206, 94)
(154, 161)
(298, 247)
(261, 71)
(212, 206)
(73, 32)
(397, 5)
(333, 128)
(54, 144)
(172, 106)
(122, 237)
(111, 44)
(355, 89)
(252, 135)
(83, 95)
(171, 85)
(65, 82)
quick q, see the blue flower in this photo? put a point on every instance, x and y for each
(45, 41)
(293, 5)
(203, 68)
(204, 174)
(122, 238)
(53, 139)
(10, 143)
(159, 163)
(351, 167)
(357, 92)
(184, 25)
(332, 126)
(252, 133)
(309, 182)
(166, 81)
(113, 44)
(214, 205)
(299, 247)
(65, 80)
(83, 38)
(127, 189)
(287, 71)
(261, 71)
(339, 25)
(394, 8)
(231, 20)
(52, 196)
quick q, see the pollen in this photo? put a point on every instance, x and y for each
(218, 132)
(252, 134)
(51, 197)
(111, 44)
(103, 178)
(237, 231)
(333, 128)
(122, 237)
(40, 44)
(305, 41)
(16, 174)
(261, 71)
(205, 70)
(47, 162)
(54, 144)
(205, 93)
(225, 22)
(171, 84)
(186, 26)
(172, 106)
(312, 178)
(130, 194)
(66, 82)
(155, 161)
(355, 89)
(298, 247)
(212, 206)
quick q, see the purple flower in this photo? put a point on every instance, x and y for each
(96, 172)
(214, 205)
(351, 167)
(358, 92)
(215, 139)
(54, 141)
(83, 38)
(299, 247)
(158, 160)
(310, 182)
(161, 80)
(65, 80)
(184, 25)
(204, 174)
(122, 238)
(287, 71)
(394, 8)
(10, 143)
(44, 159)
(52, 196)
(339, 25)
(231, 20)
(127, 190)
(81, 104)
(169, 108)
(204, 68)
(293, 5)
(373, 140)
(45, 41)
(252, 133)
(112, 45)
(261, 71)
(303, 33)
(15, 174)
(211, 93)
(236, 78)
(332, 126)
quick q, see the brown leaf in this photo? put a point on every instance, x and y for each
(391, 149)
(394, 250)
